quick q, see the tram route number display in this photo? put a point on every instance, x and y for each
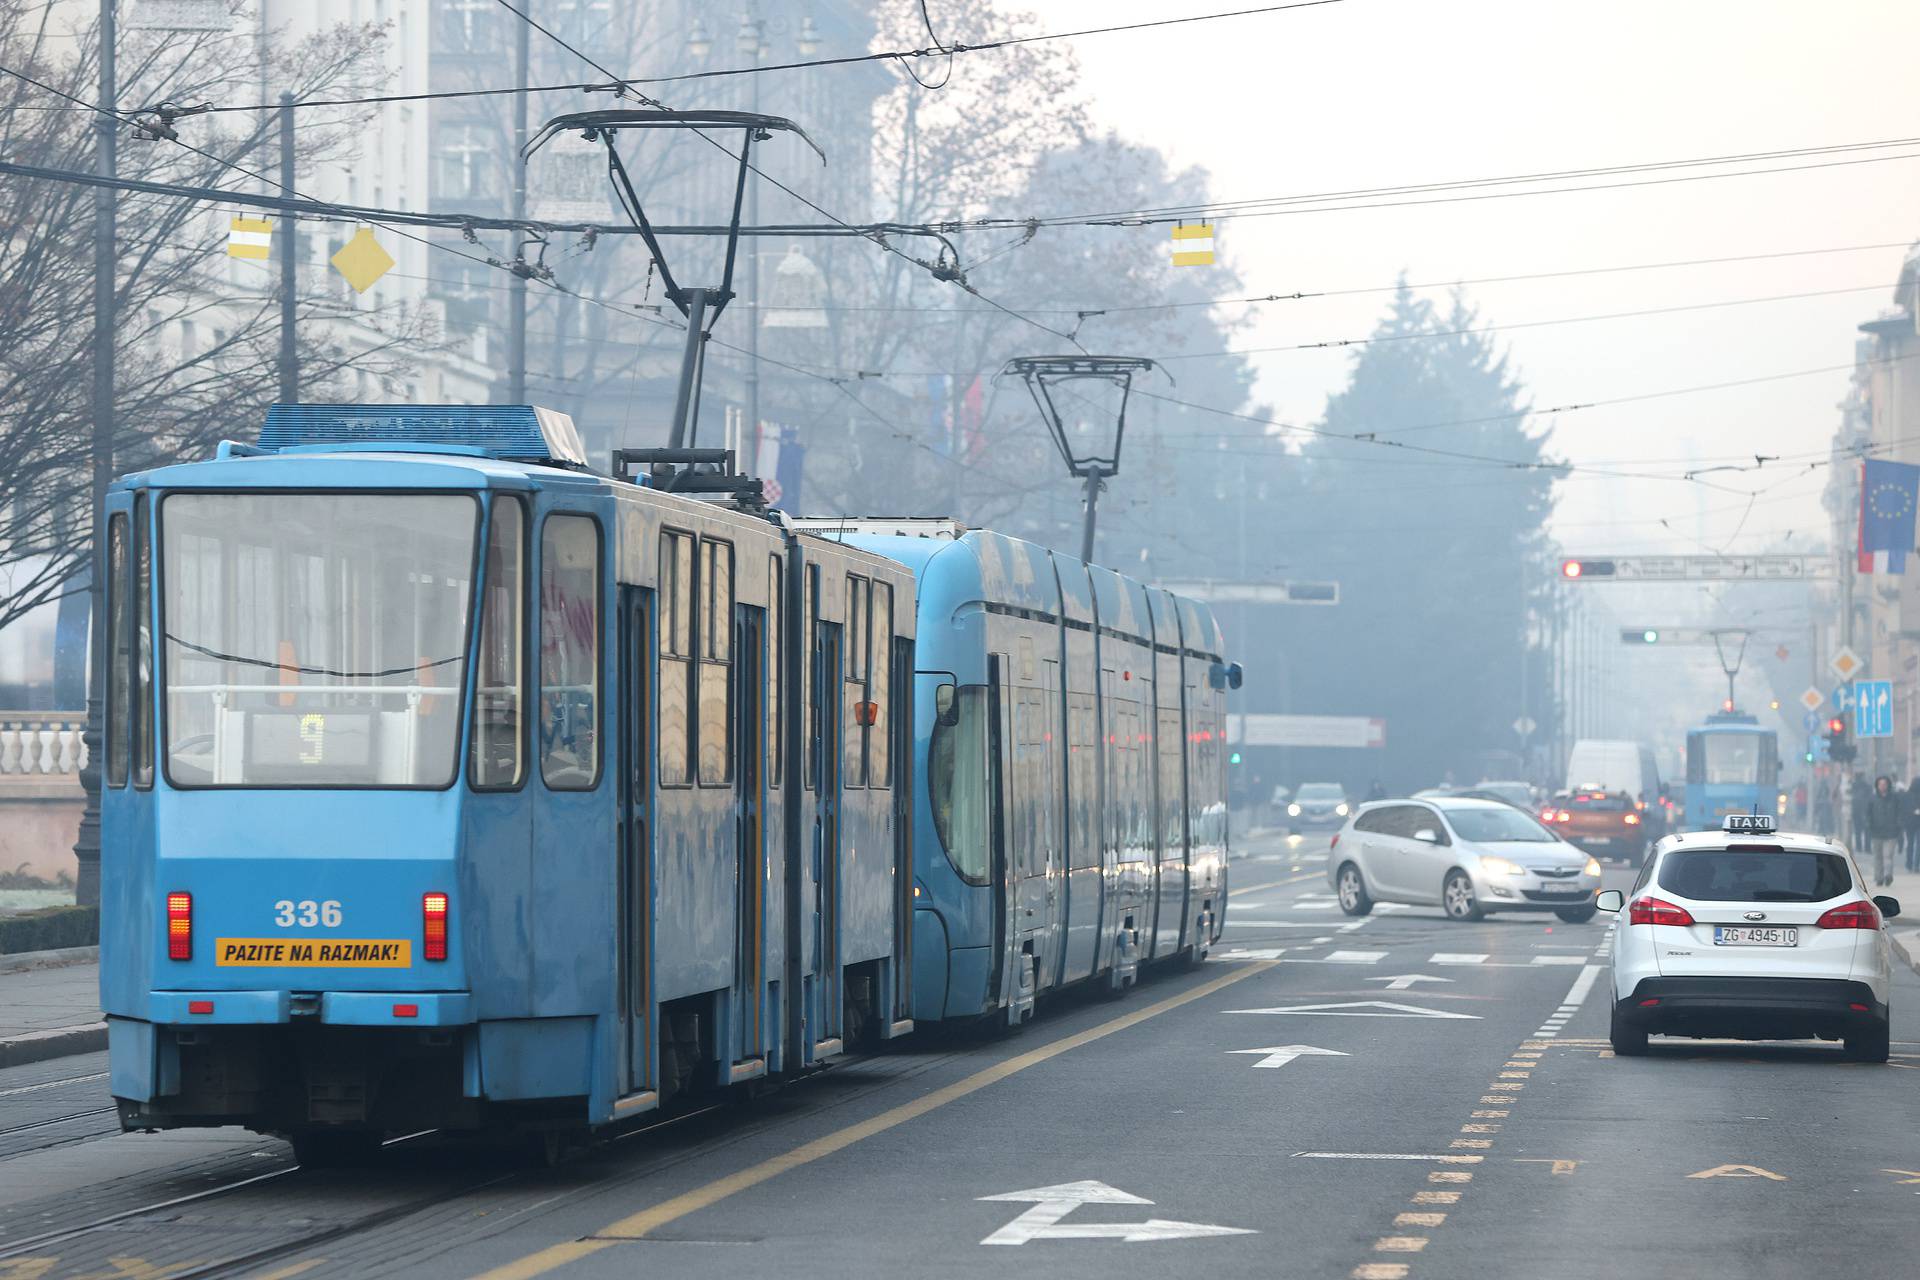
(335, 953)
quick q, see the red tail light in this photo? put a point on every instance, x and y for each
(1854, 915)
(433, 910)
(1563, 816)
(1652, 910)
(1335, 842)
(1633, 819)
(179, 926)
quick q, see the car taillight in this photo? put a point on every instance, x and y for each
(1563, 816)
(1335, 842)
(1651, 910)
(179, 926)
(1633, 819)
(433, 910)
(1854, 915)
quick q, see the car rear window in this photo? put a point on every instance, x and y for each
(1598, 802)
(1759, 875)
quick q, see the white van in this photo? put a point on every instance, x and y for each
(1600, 764)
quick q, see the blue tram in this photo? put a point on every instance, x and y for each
(450, 784)
(1733, 766)
(1073, 725)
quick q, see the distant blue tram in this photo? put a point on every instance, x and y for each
(1733, 766)
(449, 784)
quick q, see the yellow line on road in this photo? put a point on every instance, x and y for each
(636, 1226)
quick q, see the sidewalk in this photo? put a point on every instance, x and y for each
(50, 1013)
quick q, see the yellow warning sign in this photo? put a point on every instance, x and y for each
(1193, 245)
(250, 237)
(336, 953)
(362, 261)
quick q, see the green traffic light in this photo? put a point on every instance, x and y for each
(1650, 637)
(1234, 758)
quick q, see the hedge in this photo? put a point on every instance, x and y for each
(50, 928)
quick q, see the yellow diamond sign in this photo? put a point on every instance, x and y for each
(1846, 663)
(362, 261)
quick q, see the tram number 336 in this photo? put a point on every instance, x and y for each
(306, 913)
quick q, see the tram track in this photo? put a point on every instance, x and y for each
(748, 1127)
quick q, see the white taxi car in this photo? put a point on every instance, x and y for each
(1749, 934)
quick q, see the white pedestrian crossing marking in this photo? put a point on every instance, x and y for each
(1559, 959)
(1457, 957)
(1356, 957)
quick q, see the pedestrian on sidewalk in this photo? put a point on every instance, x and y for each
(1862, 793)
(1912, 807)
(1886, 827)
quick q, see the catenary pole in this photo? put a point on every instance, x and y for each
(289, 261)
(86, 847)
(517, 294)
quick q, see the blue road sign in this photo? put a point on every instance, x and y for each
(1842, 697)
(1817, 749)
(1873, 708)
(1813, 722)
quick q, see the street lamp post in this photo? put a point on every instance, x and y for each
(1088, 432)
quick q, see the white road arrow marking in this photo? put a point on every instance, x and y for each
(1366, 1009)
(1402, 981)
(1051, 1204)
(1281, 1054)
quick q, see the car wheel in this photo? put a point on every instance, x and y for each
(1456, 895)
(1352, 891)
(1628, 1041)
(1576, 915)
(1869, 1045)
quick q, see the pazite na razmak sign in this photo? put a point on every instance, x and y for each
(1306, 731)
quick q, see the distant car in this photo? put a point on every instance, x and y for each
(1606, 824)
(1318, 806)
(1469, 857)
(1518, 794)
(1752, 937)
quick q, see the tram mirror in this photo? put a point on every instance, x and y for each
(946, 705)
(1236, 675)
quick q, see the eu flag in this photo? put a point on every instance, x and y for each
(1889, 492)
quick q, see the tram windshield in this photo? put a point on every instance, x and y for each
(1730, 759)
(316, 639)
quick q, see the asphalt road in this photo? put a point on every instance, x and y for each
(1396, 1096)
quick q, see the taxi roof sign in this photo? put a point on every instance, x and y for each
(1749, 824)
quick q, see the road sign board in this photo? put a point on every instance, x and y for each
(1811, 722)
(1780, 568)
(1306, 731)
(1846, 663)
(1842, 697)
(1811, 700)
(1873, 709)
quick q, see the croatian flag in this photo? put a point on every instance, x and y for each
(1888, 494)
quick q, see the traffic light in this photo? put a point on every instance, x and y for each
(1838, 748)
(1234, 758)
(1586, 569)
(1639, 635)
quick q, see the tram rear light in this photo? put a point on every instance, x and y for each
(433, 912)
(199, 1006)
(179, 926)
(866, 714)
(406, 1011)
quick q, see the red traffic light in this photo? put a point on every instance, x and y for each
(1570, 568)
(1586, 569)
(1836, 726)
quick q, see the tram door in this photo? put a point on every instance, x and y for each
(636, 838)
(826, 746)
(749, 800)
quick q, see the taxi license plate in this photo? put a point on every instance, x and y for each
(1741, 936)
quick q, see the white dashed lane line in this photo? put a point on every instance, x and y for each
(1576, 995)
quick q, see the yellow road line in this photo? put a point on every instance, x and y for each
(636, 1226)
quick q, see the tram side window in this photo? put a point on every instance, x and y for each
(1173, 814)
(1083, 782)
(120, 673)
(879, 687)
(676, 659)
(957, 779)
(715, 642)
(497, 753)
(570, 653)
(809, 690)
(853, 771)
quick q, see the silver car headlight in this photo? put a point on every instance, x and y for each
(1340, 809)
(1593, 867)
(1494, 865)
(1293, 811)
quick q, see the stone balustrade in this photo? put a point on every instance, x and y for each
(39, 743)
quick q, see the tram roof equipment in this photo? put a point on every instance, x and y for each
(515, 432)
